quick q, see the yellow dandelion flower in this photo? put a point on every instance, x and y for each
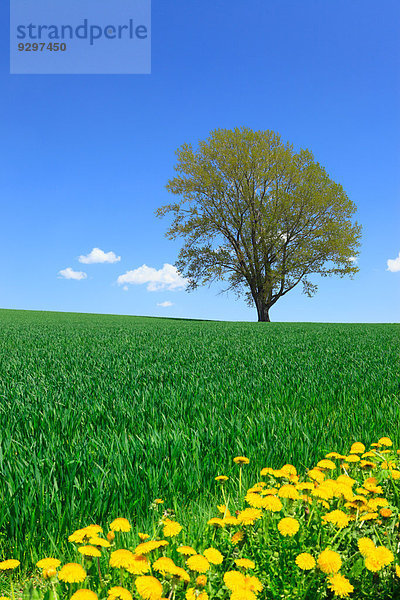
(305, 561)
(89, 551)
(367, 464)
(84, 595)
(171, 528)
(269, 491)
(385, 512)
(353, 458)
(249, 515)
(326, 464)
(198, 563)
(9, 565)
(288, 491)
(357, 448)
(193, 594)
(48, 573)
(237, 537)
(245, 563)
(397, 571)
(221, 478)
(395, 474)
(273, 504)
(316, 475)
(4, 598)
(119, 593)
(234, 580)
(139, 565)
(121, 558)
(385, 441)
(267, 471)
(365, 546)
(181, 573)
(385, 555)
(143, 536)
(81, 535)
(288, 526)
(158, 501)
(216, 521)
(223, 509)
(289, 469)
(243, 594)
(149, 546)
(110, 536)
(98, 541)
(373, 562)
(72, 573)
(306, 486)
(120, 524)
(241, 460)
(255, 500)
(340, 586)
(329, 562)
(149, 587)
(337, 517)
(48, 563)
(186, 550)
(230, 521)
(369, 516)
(201, 580)
(333, 455)
(164, 565)
(377, 502)
(213, 556)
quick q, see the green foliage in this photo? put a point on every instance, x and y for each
(259, 215)
(99, 415)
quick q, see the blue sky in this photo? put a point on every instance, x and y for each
(85, 158)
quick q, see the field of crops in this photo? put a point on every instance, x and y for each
(100, 414)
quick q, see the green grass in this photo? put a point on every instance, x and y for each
(101, 414)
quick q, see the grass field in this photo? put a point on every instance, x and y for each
(101, 414)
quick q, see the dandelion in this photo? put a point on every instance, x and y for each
(326, 465)
(245, 563)
(357, 448)
(369, 516)
(192, 594)
(186, 550)
(288, 526)
(385, 555)
(237, 537)
(201, 580)
(48, 563)
(340, 586)
(119, 593)
(9, 565)
(385, 441)
(249, 515)
(241, 460)
(72, 573)
(149, 587)
(365, 546)
(352, 458)
(288, 491)
(158, 501)
(48, 573)
(171, 528)
(110, 536)
(397, 572)
(138, 566)
(316, 475)
(329, 562)
(273, 504)
(198, 563)
(121, 558)
(143, 536)
(84, 595)
(305, 561)
(181, 573)
(338, 518)
(164, 565)
(120, 524)
(89, 551)
(149, 546)
(385, 512)
(216, 521)
(221, 478)
(230, 521)
(213, 556)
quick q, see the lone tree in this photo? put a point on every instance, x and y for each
(260, 216)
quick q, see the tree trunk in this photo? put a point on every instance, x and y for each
(262, 311)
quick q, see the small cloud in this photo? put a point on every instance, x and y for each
(165, 304)
(125, 288)
(393, 264)
(99, 256)
(69, 273)
(167, 278)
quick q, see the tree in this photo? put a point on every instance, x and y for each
(260, 216)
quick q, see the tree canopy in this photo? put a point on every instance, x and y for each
(260, 216)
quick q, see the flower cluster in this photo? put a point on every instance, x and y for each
(332, 532)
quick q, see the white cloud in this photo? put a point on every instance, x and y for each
(69, 273)
(125, 288)
(165, 304)
(99, 256)
(393, 264)
(167, 278)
